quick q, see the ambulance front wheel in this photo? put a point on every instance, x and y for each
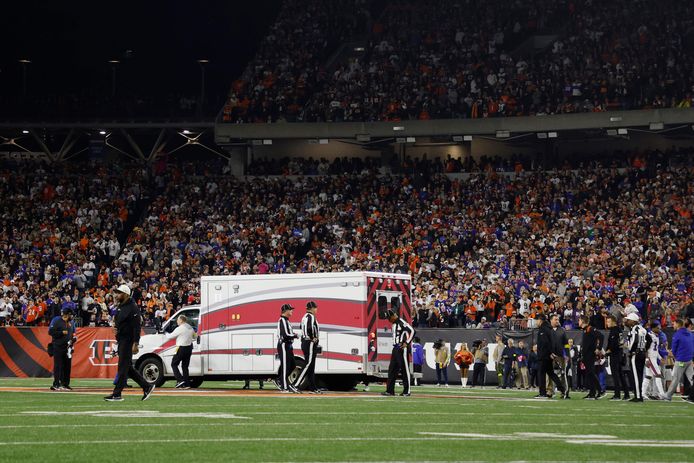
(152, 371)
(196, 382)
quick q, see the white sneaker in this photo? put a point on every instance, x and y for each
(438, 385)
(446, 385)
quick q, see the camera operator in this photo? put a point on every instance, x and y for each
(310, 333)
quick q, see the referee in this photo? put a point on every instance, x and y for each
(285, 351)
(402, 336)
(638, 344)
(309, 345)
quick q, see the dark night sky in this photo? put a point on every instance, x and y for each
(70, 43)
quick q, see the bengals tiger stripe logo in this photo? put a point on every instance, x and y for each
(101, 352)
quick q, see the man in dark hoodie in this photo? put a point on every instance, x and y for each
(545, 358)
(127, 325)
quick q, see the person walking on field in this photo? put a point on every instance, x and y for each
(127, 325)
(464, 358)
(184, 335)
(310, 333)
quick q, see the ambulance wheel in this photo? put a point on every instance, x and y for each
(152, 371)
(338, 382)
(196, 382)
(300, 365)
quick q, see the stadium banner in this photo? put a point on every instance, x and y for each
(23, 353)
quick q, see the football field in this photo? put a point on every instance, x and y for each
(220, 422)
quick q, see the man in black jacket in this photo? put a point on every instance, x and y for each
(127, 325)
(614, 354)
(545, 358)
(60, 330)
(590, 346)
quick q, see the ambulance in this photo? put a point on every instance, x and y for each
(236, 324)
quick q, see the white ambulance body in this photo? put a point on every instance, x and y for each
(237, 326)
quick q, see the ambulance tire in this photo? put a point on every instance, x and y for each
(341, 383)
(300, 364)
(152, 370)
(196, 382)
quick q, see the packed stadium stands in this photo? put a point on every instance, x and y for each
(499, 245)
(464, 59)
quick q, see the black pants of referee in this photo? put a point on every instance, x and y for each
(638, 362)
(309, 371)
(546, 368)
(285, 351)
(182, 357)
(126, 369)
(398, 365)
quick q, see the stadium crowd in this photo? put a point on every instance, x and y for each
(61, 229)
(288, 66)
(493, 249)
(460, 59)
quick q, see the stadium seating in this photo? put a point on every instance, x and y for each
(572, 240)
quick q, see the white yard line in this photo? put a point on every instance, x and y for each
(587, 439)
(223, 439)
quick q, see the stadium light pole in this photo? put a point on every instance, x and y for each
(24, 63)
(201, 102)
(114, 66)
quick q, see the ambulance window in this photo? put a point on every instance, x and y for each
(395, 304)
(382, 307)
(191, 315)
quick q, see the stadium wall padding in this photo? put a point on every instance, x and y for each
(23, 353)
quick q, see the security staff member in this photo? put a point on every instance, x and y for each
(545, 358)
(402, 337)
(309, 343)
(591, 344)
(638, 343)
(285, 350)
(614, 354)
(184, 335)
(61, 331)
(127, 326)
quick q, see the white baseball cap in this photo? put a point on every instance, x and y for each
(125, 289)
(633, 317)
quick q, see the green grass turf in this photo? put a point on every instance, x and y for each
(367, 427)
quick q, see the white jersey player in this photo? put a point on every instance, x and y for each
(652, 375)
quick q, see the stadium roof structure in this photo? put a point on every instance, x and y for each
(587, 124)
(139, 141)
